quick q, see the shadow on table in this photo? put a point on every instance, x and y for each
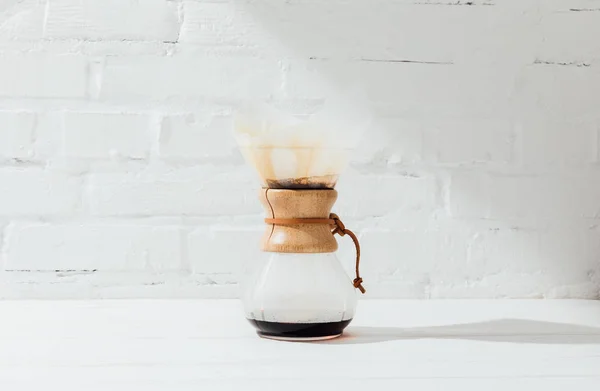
(500, 330)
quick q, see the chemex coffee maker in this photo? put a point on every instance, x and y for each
(301, 292)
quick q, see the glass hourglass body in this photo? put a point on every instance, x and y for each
(300, 296)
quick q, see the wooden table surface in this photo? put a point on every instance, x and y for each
(391, 345)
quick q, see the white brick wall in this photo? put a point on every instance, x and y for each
(133, 20)
(43, 75)
(17, 135)
(91, 246)
(479, 176)
(36, 193)
(195, 136)
(105, 135)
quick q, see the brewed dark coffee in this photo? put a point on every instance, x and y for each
(299, 330)
(313, 182)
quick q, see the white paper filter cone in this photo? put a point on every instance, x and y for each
(290, 153)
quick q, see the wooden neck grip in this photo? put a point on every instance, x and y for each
(298, 204)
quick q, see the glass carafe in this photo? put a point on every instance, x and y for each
(301, 292)
(300, 296)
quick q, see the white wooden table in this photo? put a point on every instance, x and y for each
(391, 345)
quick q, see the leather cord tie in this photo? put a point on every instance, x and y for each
(338, 228)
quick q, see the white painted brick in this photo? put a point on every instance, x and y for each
(546, 146)
(569, 249)
(388, 142)
(218, 76)
(196, 137)
(386, 196)
(49, 137)
(537, 86)
(405, 285)
(569, 36)
(469, 141)
(223, 250)
(92, 246)
(413, 90)
(543, 197)
(496, 250)
(469, 196)
(223, 24)
(43, 76)
(496, 45)
(22, 20)
(525, 196)
(559, 260)
(112, 20)
(30, 137)
(37, 192)
(105, 135)
(393, 254)
(17, 135)
(199, 192)
(339, 30)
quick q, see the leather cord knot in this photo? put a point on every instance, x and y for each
(357, 282)
(338, 228)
